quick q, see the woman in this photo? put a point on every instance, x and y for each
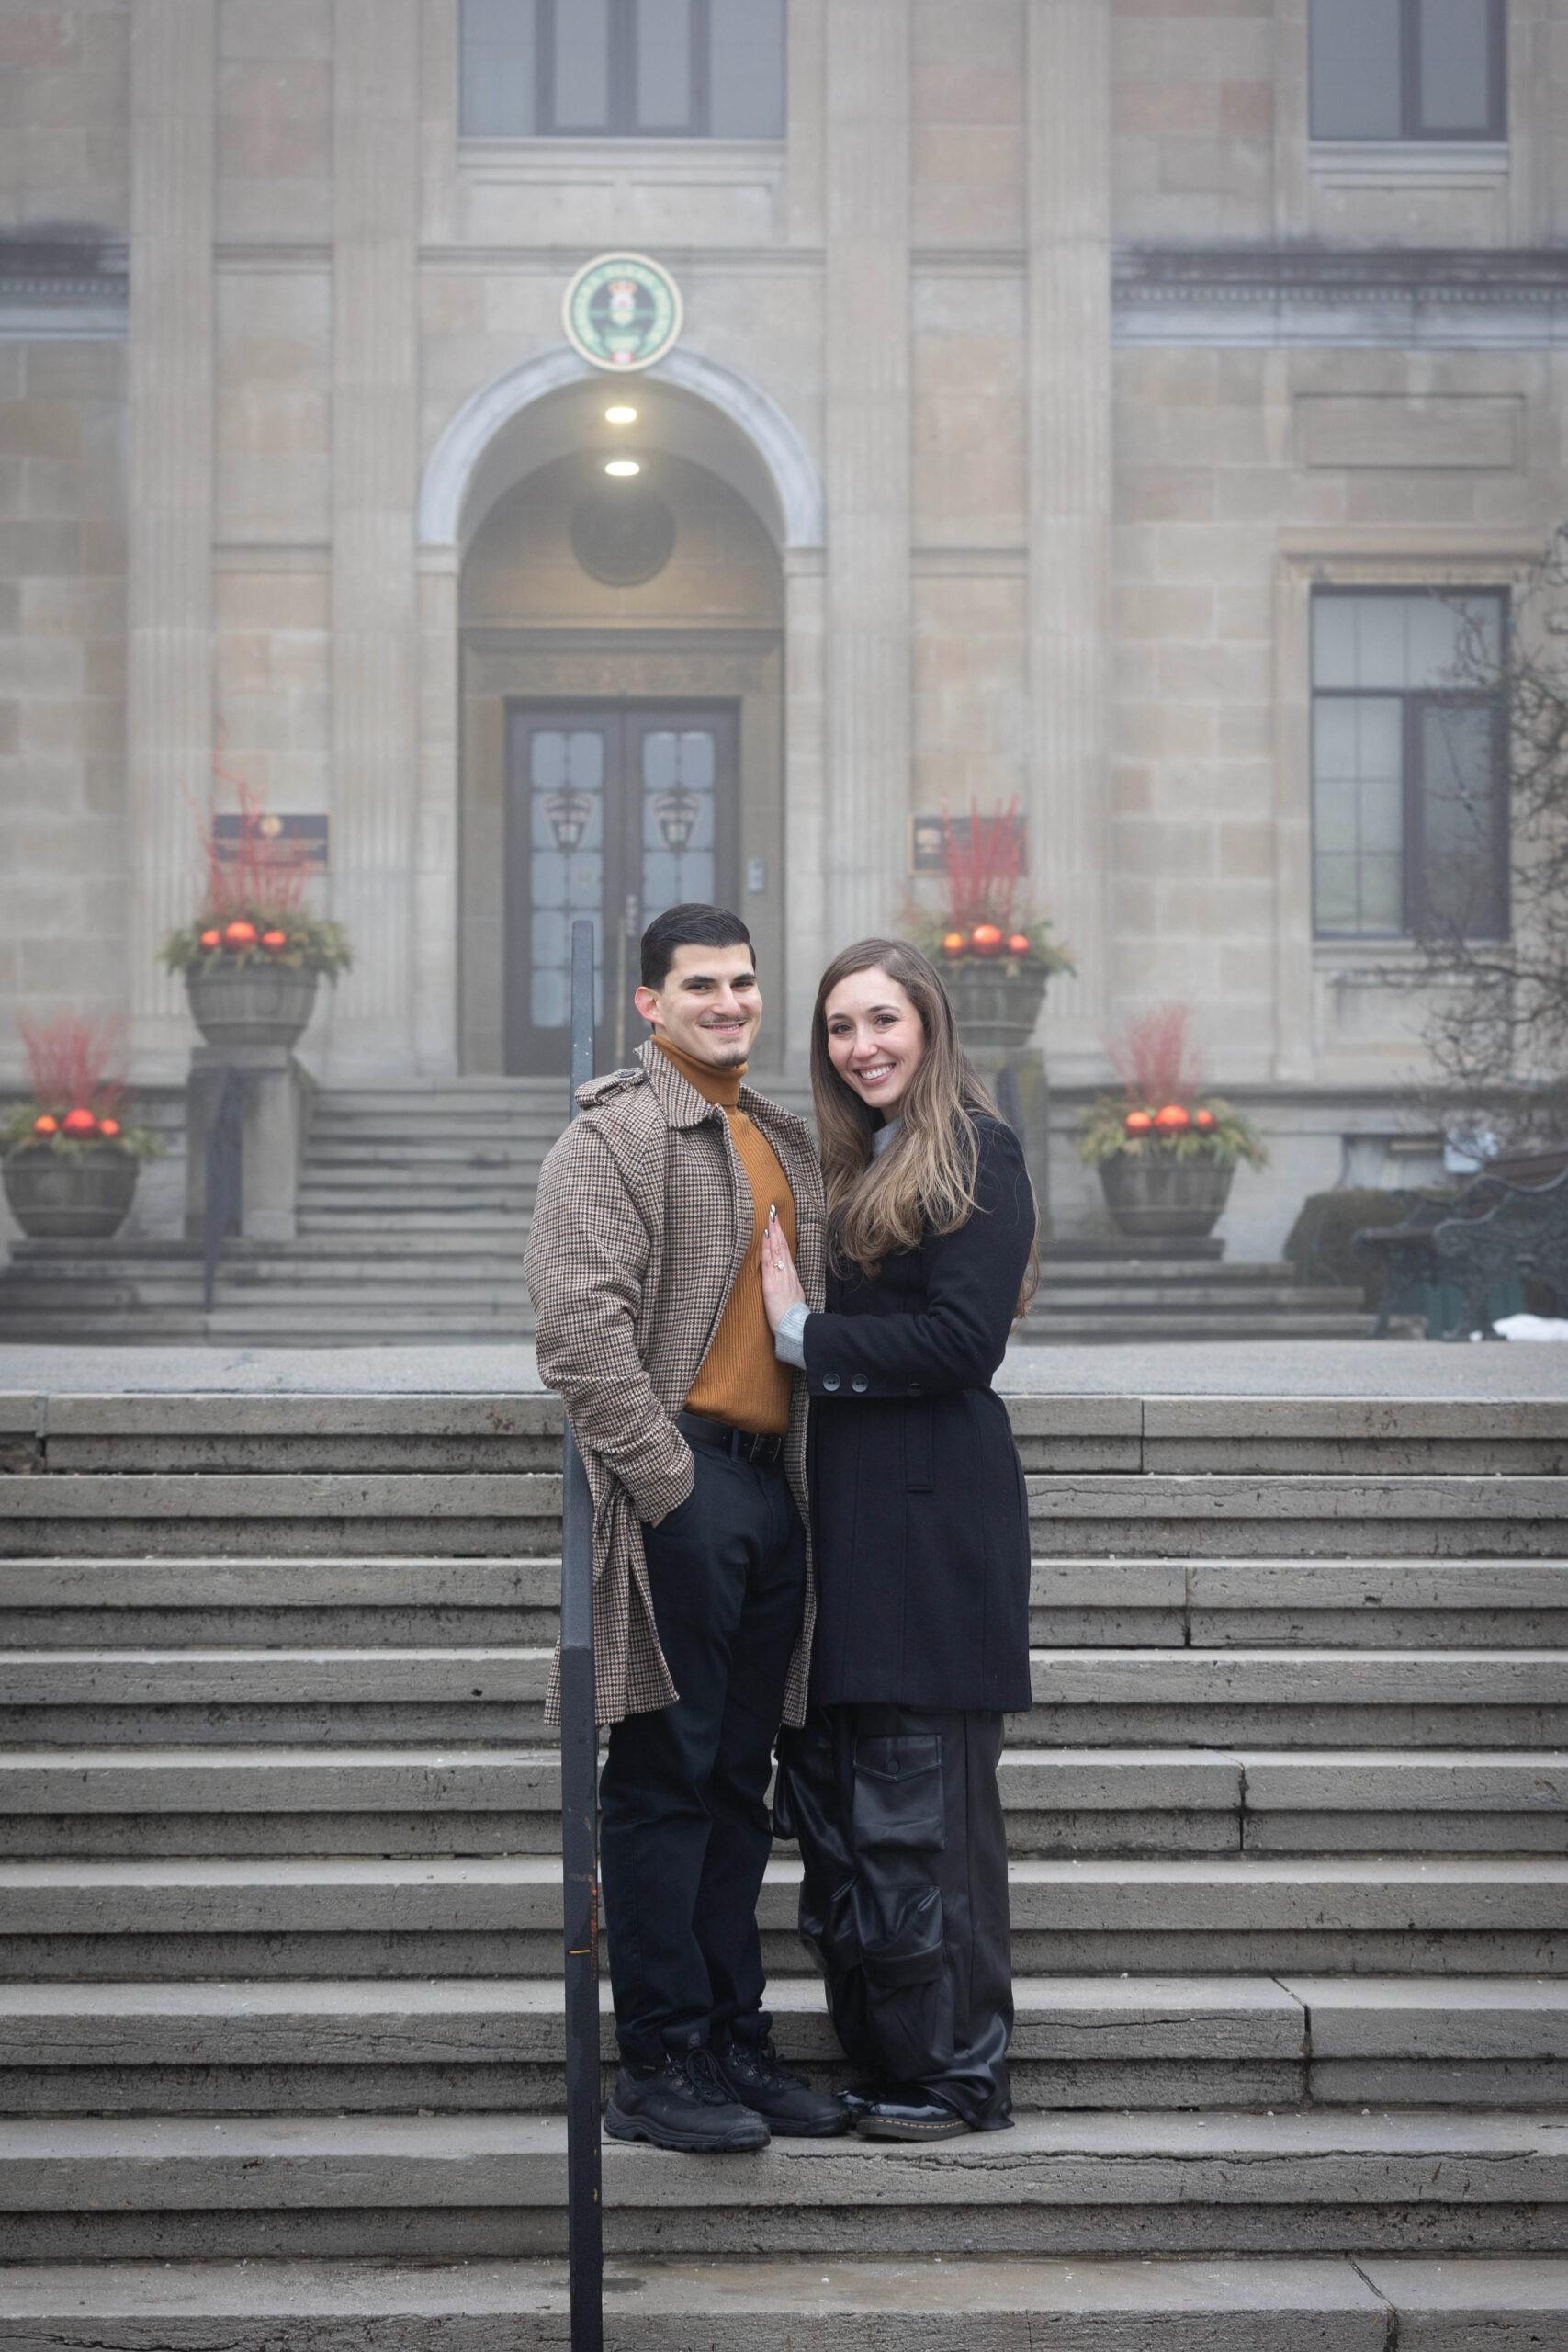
(920, 1519)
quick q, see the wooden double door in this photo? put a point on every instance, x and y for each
(616, 811)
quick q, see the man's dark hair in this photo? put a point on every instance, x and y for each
(689, 926)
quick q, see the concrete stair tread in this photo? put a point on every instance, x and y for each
(1457, 2010)
(1086, 2304)
(1148, 2157)
(63, 1779)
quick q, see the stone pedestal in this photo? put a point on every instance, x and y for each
(1016, 1076)
(278, 1094)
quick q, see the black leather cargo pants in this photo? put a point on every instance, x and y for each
(904, 1903)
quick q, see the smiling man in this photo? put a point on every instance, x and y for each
(644, 1266)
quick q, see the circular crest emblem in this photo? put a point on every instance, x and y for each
(622, 312)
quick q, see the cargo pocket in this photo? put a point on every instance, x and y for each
(898, 1793)
(908, 1992)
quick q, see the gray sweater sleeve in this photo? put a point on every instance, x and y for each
(789, 1339)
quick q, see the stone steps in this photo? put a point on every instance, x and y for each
(1137, 1515)
(473, 2043)
(281, 1907)
(429, 2187)
(1294, 1698)
(1248, 2303)
(105, 1800)
(355, 1601)
(1259, 1437)
(340, 1914)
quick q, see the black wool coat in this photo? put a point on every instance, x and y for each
(919, 1510)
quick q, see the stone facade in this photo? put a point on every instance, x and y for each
(1027, 388)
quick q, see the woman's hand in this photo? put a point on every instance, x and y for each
(781, 1284)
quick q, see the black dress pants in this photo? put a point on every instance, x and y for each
(904, 1901)
(684, 1832)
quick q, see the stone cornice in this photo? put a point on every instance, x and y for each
(61, 285)
(1402, 296)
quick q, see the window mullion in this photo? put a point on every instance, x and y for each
(621, 74)
(1411, 123)
(1413, 802)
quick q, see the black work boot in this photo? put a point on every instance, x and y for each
(684, 2103)
(786, 2103)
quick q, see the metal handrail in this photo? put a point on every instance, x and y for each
(579, 1807)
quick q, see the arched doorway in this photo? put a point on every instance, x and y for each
(704, 661)
(622, 718)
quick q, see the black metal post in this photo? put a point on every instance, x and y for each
(221, 1191)
(580, 1808)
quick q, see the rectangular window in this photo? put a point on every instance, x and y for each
(622, 69)
(1409, 797)
(1408, 69)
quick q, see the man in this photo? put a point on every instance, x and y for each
(644, 1266)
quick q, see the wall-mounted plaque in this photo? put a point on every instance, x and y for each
(297, 843)
(927, 841)
(622, 312)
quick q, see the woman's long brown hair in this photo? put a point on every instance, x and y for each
(924, 1183)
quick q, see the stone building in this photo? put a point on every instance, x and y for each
(1074, 401)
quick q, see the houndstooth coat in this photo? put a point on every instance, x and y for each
(642, 1224)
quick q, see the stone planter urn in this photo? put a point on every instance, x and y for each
(70, 1196)
(251, 1004)
(995, 1007)
(1153, 1194)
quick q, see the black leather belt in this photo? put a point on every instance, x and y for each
(750, 1444)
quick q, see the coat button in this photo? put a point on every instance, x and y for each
(914, 1389)
(830, 1381)
(859, 1384)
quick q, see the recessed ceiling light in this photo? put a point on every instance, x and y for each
(623, 466)
(621, 414)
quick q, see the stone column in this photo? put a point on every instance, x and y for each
(807, 944)
(375, 605)
(169, 691)
(868, 431)
(1069, 500)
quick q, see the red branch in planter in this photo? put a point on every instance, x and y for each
(76, 1061)
(253, 871)
(981, 873)
(1156, 1057)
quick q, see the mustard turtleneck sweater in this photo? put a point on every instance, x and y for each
(741, 1381)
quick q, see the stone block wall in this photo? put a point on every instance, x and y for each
(65, 116)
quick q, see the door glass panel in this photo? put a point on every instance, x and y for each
(679, 769)
(566, 779)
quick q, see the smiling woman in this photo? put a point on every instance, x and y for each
(920, 1527)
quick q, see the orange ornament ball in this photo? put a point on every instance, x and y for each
(79, 1123)
(46, 1124)
(240, 934)
(1018, 943)
(986, 939)
(109, 1127)
(954, 943)
(1138, 1123)
(275, 940)
(1172, 1119)
(210, 939)
(1204, 1119)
